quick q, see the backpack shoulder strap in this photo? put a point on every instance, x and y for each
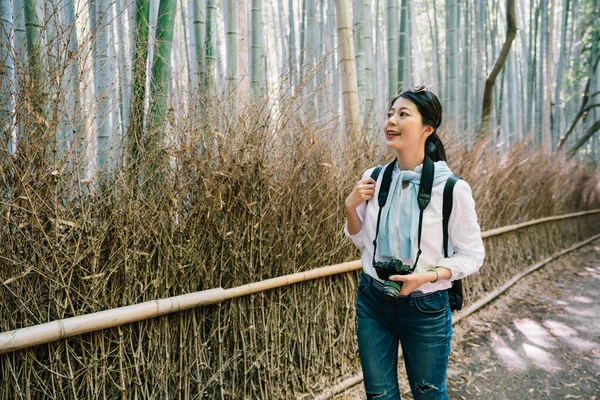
(427, 174)
(375, 172)
(375, 175)
(447, 208)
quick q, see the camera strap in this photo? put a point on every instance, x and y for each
(423, 198)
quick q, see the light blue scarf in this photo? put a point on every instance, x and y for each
(400, 216)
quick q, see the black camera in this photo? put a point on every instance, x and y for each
(391, 289)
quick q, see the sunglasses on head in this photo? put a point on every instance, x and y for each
(417, 89)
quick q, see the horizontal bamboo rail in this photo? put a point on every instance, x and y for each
(510, 228)
(64, 328)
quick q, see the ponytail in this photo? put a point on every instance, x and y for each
(434, 148)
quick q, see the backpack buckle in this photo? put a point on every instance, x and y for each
(423, 199)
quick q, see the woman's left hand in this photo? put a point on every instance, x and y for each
(411, 282)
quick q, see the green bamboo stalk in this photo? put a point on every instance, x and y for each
(402, 43)
(35, 46)
(335, 87)
(378, 70)
(99, 21)
(436, 45)
(548, 79)
(187, 15)
(559, 73)
(140, 58)
(244, 69)
(512, 103)
(200, 37)
(321, 88)
(466, 70)
(541, 81)
(532, 78)
(369, 61)
(58, 132)
(282, 35)
(359, 32)
(221, 65)
(452, 66)
(161, 71)
(232, 57)
(6, 79)
(302, 38)
(292, 42)
(392, 46)
(33, 33)
(523, 70)
(348, 71)
(257, 48)
(124, 72)
(211, 15)
(75, 126)
(310, 34)
(410, 73)
(435, 52)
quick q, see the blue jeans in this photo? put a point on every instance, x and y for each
(423, 325)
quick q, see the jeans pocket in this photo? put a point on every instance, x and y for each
(435, 304)
(363, 282)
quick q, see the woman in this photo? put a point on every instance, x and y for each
(420, 319)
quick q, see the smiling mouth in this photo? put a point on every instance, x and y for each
(392, 134)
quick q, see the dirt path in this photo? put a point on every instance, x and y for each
(540, 340)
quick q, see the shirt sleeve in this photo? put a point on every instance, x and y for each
(357, 238)
(464, 234)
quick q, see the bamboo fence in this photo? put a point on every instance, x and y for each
(61, 329)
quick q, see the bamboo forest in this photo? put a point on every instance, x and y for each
(173, 177)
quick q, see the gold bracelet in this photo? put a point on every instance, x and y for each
(436, 273)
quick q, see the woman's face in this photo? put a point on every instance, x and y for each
(404, 127)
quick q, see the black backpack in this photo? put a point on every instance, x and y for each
(455, 293)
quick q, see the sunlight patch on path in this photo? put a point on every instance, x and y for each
(587, 313)
(509, 333)
(535, 333)
(582, 299)
(541, 358)
(568, 336)
(559, 329)
(508, 356)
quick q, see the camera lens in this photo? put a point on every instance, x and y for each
(391, 291)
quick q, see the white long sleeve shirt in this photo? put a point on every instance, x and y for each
(464, 235)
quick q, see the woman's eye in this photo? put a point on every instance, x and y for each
(403, 114)
(390, 115)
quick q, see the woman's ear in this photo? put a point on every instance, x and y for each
(428, 130)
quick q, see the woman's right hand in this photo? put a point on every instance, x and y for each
(362, 191)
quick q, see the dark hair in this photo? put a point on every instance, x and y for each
(431, 113)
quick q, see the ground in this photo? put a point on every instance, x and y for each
(539, 340)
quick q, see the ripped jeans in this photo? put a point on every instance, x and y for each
(423, 325)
